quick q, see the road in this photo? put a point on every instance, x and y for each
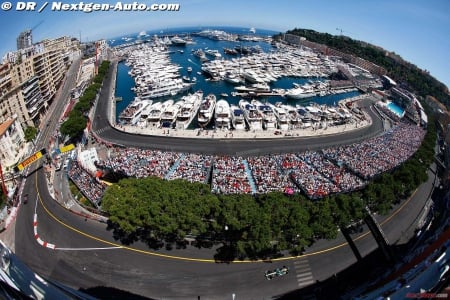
(87, 255)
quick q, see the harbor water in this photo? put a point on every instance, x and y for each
(183, 56)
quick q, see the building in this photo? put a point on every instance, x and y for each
(12, 142)
(30, 78)
(24, 40)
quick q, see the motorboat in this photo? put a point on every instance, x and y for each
(188, 109)
(222, 115)
(154, 116)
(169, 115)
(251, 115)
(269, 119)
(282, 117)
(237, 117)
(206, 110)
(132, 113)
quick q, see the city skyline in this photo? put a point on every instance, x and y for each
(418, 31)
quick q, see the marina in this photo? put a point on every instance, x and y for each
(271, 80)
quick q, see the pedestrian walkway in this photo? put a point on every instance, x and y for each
(174, 167)
(249, 175)
(303, 272)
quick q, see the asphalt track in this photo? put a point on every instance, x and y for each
(102, 128)
(89, 256)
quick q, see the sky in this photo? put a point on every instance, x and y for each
(417, 30)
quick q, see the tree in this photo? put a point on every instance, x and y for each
(30, 133)
(74, 125)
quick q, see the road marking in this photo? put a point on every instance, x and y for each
(87, 249)
(304, 274)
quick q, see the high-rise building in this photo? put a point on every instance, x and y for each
(25, 39)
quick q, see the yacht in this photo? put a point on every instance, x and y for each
(269, 119)
(251, 115)
(222, 114)
(237, 117)
(206, 111)
(146, 112)
(232, 78)
(282, 117)
(214, 53)
(294, 118)
(169, 115)
(300, 92)
(167, 88)
(154, 116)
(178, 41)
(132, 113)
(188, 109)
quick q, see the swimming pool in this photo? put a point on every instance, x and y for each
(396, 109)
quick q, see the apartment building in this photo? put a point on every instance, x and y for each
(12, 142)
(30, 78)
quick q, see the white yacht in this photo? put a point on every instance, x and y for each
(188, 109)
(168, 88)
(178, 41)
(293, 115)
(282, 117)
(237, 117)
(154, 116)
(300, 92)
(269, 118)
(206, 110)
(132, 113)
(214, 53)
(169, 116)
(222, 114)
(251, 115)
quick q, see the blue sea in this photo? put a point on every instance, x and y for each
(185, 59)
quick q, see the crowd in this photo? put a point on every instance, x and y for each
(378, 154)
(192, 167)
(268, 176)
(230, 176)
(316, 173)
(87, 184)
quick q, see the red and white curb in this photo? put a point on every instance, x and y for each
(36, 235)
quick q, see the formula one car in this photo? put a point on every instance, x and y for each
(276, 273)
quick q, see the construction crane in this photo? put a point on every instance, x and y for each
(37, 25)
(340, 29)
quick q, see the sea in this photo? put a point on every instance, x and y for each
(182, 56)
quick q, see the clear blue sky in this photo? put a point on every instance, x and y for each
(417, 30)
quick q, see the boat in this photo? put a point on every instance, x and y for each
(224, 95)
(300, 92)
(232, 78)
(206, 110)
(251, 115)
(169, 115)
(200, 54)
(154, 116)
(222, 115)
(230, 51)
(166, 88)
(189, 69)
(214, 53)
(269, 119)
(237, 117)
(188, 109)
(132, 112)
(282, 117)
(178, 41)
(294, 118)
(146, 113)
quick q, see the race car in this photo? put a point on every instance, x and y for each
(276, 273)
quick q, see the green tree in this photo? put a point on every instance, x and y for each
(30, 133)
